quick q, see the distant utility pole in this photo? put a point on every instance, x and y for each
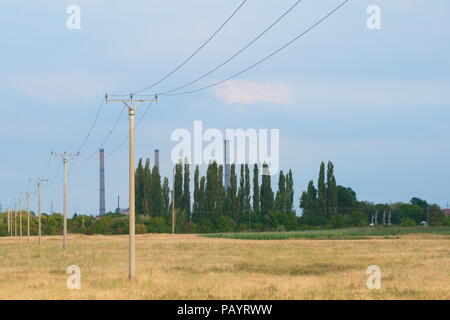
(131, 105)
(65, 159)
(15, 219)
(9, 221)
(28, 212)
(389, 219)
(20, 216)
(38, 183)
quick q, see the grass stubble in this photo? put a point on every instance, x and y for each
(413, 266)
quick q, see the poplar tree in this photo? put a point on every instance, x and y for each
(331, 189)
(247, 187)
(289, 192)
(166, 195)
(211, 190)
(221, 194)
(266, 193)
(322, 191)
(147, 188)
(241, 192)
(196, 205)
(186, 191)
(139, 188)
(256, 197)
(232, 194)
(179, 186)
(201, 198)
(156, 194)
(280, 199)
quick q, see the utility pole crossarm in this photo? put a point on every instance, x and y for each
(131, 104)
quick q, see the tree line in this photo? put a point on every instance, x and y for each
(249, 203)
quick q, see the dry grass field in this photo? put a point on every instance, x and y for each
(192, 267)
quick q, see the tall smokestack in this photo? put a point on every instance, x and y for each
(226, 162)
(157, 158)
(102, 182)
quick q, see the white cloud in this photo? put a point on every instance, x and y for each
(60, 86)
(251, 92)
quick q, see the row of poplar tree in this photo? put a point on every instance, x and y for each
(249, 199)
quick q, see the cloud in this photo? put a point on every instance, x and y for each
(60, 86)
(251, 92)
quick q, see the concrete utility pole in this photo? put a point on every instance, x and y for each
(15, 219)
(131, 105)
(20, 216)
(9, 221)
(65, 159)
(38, 183)
(28, 212)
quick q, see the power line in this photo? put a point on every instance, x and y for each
(48, 164)
(106, 138)
(135, 127)
(237, 53)
(92, 125)
(50, 182)
(192, 55)
(262, 60)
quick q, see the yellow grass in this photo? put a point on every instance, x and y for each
(193, 267)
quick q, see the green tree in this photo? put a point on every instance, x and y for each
(179, 186)
(196, 205)
(289, 192)
(256, 191)
(201, 197)
(322, 190)
(331, 190)
(346, 198)
(166, 195)
(280, 198)
(156, 194)
(419, 202)
(147, 203)
(232, 198)
(435, 215)
(266, 193)
(247, 187)
(186, 191)
(241, 193)
(139, 188)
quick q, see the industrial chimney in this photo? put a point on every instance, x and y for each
(226, 162)
(157, 158)
(102, 182)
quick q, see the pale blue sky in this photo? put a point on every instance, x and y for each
(376, 103)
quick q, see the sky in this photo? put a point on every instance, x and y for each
(374, 102)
